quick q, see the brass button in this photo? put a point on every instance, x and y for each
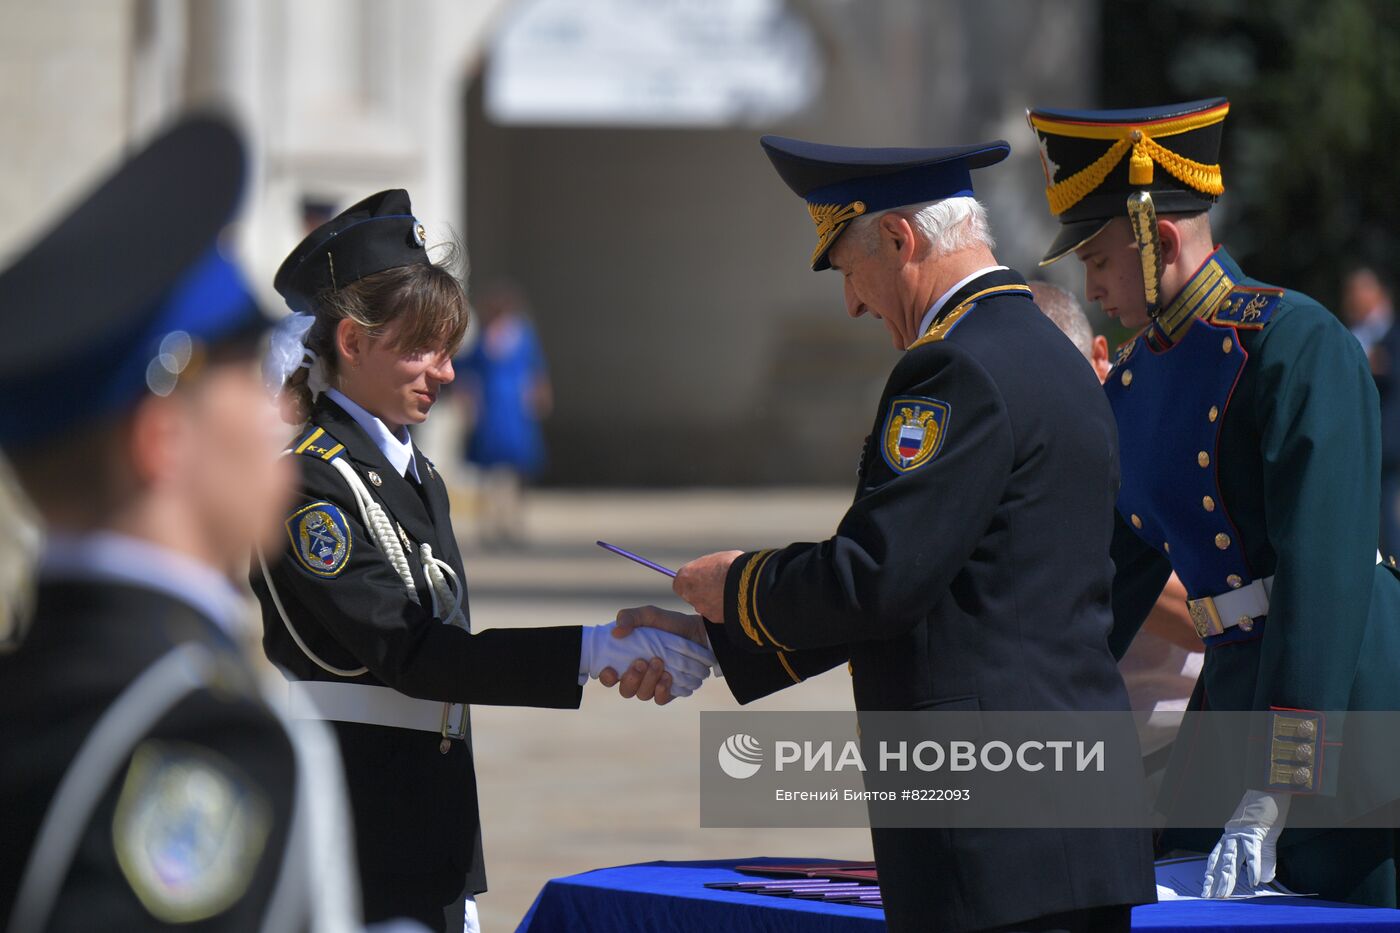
(1213, 414)
(1234, 581)
(1208, 504)
(1304, 752)
(1302, 775)
(1137, 522)
(1227, 345)
(1127, 378)
(374, 478)
(1167, 547)
(1246, 624)
(1136, 136)
(1391, 560)
(1307, 728)
(1203, 459)
(1222, 541)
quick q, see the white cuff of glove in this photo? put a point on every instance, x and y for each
(1247, 852)
(688, 663)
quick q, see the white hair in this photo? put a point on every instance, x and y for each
(1064, 309)
(947, 226)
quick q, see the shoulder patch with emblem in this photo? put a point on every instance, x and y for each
(320, 538)
(913, 432)
(317, 443)
(189, 831)
(1248, 307)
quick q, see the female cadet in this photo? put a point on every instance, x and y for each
(366, 609)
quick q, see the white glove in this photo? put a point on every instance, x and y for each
(1250, 837)
(688, 663)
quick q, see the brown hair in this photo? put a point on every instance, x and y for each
(427, 297)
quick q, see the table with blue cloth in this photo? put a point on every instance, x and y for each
(671, 896)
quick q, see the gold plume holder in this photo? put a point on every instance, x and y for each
(1143, 217)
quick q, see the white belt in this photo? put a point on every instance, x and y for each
(373, 706)
(1212, 615)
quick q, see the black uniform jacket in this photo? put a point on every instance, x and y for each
(415, 808)
(971, 572)
(152, 854)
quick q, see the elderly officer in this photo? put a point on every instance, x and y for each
(1250, 447)
(144, 782)
(971, 571)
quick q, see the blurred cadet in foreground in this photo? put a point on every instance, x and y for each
(505, 378)
(971, 571)
(1161, 667)
(1248, 429)
(1367, 312)
(367, 611)
(144, 782)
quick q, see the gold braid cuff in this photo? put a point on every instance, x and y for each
(748, 602)
(1146, 151)
(831, 219)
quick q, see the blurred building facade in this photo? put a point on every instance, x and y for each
(665, 263)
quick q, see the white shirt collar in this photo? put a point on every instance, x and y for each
(398, 450)
(118, 558)
(943, 300)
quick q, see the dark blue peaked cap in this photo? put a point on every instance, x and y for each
(840, 183)
(374, 235)
(127, 291)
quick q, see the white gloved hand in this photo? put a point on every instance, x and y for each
(688, 663)
(1251, 838)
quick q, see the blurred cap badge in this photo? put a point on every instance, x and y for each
(914, 430)
(320, 538)
(189, 831)
(420, 234)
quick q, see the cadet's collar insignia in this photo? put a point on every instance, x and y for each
(374, 478)
(189, 831)
(1199, 297)
(913, 432)
(320, 537)
(319, 444)
(1125, 350)
(1248, 308)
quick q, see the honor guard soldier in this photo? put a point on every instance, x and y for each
(971, 570)
(145, 783)
(366, 610)
(1248, 425)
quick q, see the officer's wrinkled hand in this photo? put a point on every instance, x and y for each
(701, 583)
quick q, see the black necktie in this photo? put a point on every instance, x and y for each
(418, 488)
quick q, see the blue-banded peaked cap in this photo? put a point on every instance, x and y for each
(840, 183)
(130, 286)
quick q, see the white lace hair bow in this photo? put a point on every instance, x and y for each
(287, 352)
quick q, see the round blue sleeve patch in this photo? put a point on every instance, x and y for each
(320, 537)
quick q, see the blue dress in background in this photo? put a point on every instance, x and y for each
(502, 369)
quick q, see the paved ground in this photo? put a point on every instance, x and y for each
(618, 781)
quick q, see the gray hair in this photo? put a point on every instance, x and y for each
(948, 226)
(1063, 309)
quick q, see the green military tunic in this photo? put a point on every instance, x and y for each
(1250, 443)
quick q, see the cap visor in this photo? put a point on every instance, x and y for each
(1071, 237)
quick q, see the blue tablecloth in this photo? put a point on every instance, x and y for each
(672, 897)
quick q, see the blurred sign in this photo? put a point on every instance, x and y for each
(649, 62)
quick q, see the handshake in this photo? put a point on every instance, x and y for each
(617, 654)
